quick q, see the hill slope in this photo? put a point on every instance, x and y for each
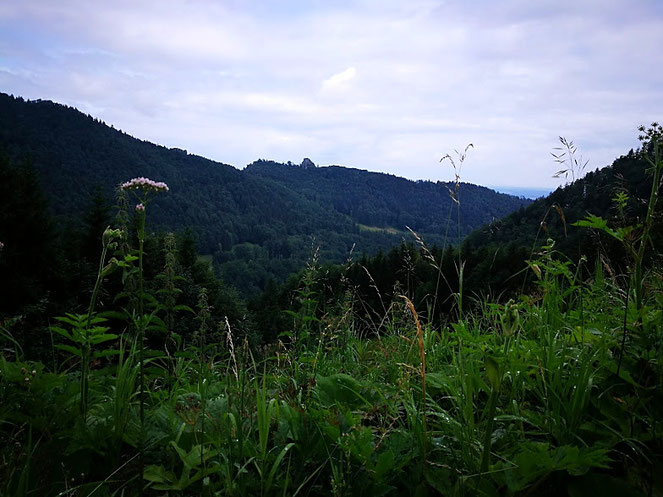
(387, 201)
(495, 256)
(553, 216)
(258, 223)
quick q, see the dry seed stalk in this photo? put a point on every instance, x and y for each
(231, 346)
(420, 343)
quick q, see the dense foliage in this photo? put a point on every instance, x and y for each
(554, 216)
(386, 201)
(532, 367)
(557, 393)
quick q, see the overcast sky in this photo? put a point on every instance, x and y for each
(385, 85)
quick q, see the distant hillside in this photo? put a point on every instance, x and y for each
(494, 256)
(259, 223)
(553, 216)
(387, 201)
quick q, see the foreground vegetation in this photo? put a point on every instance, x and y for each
(554, 392)
(544, 396)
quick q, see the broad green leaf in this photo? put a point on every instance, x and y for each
(98, 330)
(157, 474)
(596, 222)
(105, 353)
(493, 372)
(183, 308)
(114, 315)
(384, 463)
(97, 320)
(339, 389)
(70, 349)
(61, 331)
(71, 320)
(97, 339)
(623, 373)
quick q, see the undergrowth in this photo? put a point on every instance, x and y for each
(553, 393)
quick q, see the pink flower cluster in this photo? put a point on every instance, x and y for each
(140, 207)
(144, 184)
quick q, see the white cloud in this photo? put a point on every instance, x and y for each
(387, 86)
(339, 81)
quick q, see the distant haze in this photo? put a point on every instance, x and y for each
(387, 86)
(522, 191)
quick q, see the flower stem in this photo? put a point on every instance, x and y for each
(85, 359)
(141, 341)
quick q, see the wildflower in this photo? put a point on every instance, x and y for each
(142, 188)
(145, 184)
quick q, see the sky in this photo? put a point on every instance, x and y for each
(383, 85)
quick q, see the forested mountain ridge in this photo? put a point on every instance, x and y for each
(555, 216)
(74, 153)
(388, 201)
(257, 224)
(497, 257)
